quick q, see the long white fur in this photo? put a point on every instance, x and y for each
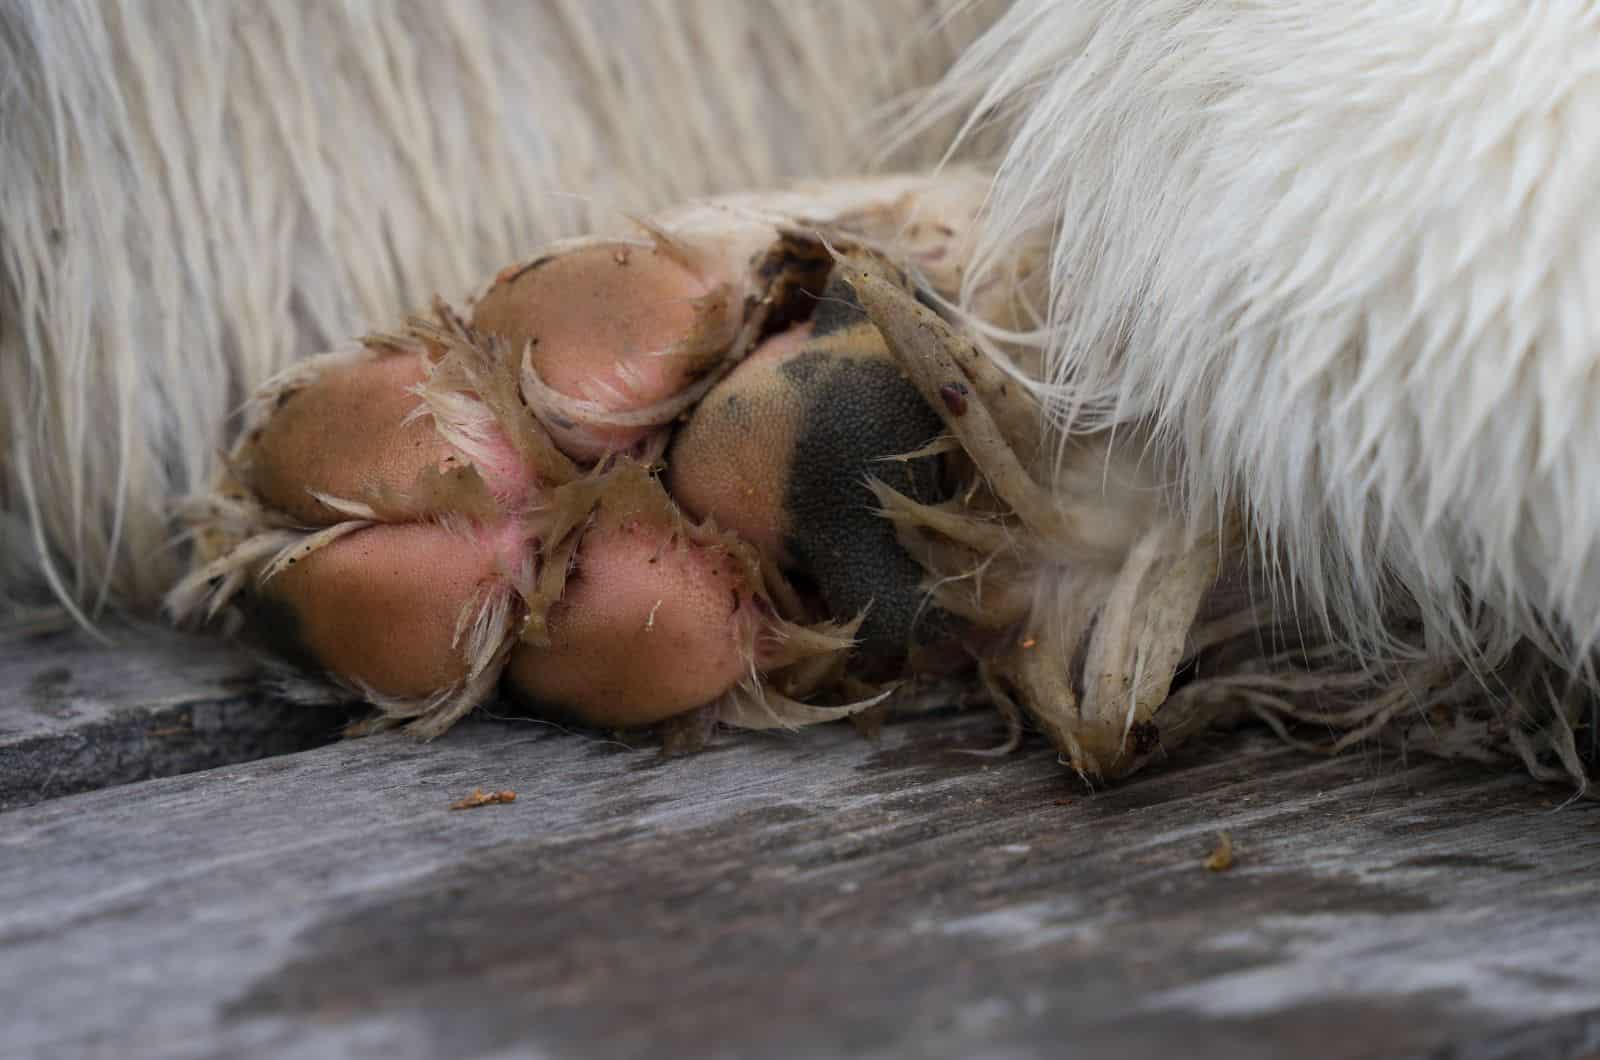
(1344, 255)
(193, 193)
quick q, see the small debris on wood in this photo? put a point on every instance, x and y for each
(1221, 857)
(479, 797)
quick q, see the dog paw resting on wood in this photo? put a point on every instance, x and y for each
(747, 464)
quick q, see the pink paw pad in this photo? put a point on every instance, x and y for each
(610, 329)
(650, 626)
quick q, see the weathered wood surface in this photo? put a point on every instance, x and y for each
(815, 895)
(77, 715)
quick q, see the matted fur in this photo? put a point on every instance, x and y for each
(193, 194)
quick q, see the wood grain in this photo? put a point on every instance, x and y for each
(77, 715)
(815, 895)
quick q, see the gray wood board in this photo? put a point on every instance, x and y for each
(808, 895)
(76, 714)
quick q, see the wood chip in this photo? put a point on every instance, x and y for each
(479, 797)
(1221, 857)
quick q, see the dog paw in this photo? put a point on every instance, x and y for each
(633, 477)
(729, 467)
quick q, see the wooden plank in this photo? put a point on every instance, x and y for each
(76, 714)
(811, 895)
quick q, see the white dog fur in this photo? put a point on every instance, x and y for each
(1339, 256)
(1344, 255)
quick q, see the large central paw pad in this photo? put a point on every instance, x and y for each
(781, 453)
(636, 477)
